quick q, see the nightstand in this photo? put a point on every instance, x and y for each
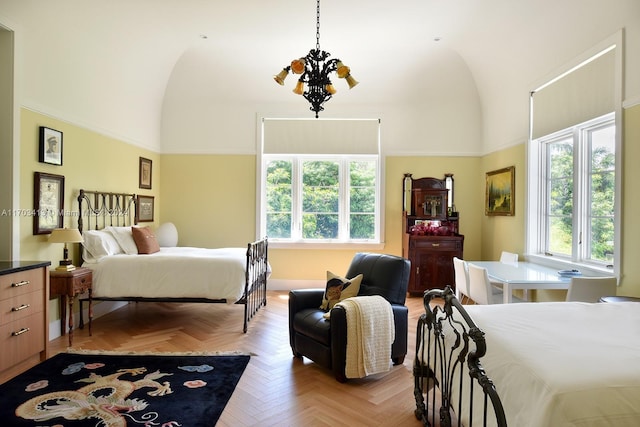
(68, 284)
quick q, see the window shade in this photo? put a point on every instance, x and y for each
(585, 93)
(318, 136)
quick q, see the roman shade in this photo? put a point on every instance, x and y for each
(581, 95)
(321, 136)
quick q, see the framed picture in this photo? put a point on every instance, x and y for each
(500, 192)
(144, 209)
(48, 203)
(145, 174)
(50, 146)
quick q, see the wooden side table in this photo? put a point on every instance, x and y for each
(68, 284)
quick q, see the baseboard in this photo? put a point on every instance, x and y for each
(99, 309)
(287, 285)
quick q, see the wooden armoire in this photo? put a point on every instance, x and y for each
(430, 232)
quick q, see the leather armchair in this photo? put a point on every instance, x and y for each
(325, 341)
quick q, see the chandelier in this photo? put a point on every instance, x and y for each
(314, 69)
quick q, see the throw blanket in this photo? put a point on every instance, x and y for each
(370, 334)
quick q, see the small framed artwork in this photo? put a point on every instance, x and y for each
(48, 203)
(145, 173)
(144, 209)
(500, 192)
(50, 146)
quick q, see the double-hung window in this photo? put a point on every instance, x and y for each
(320, 181)
(577, 193)
(574, 166)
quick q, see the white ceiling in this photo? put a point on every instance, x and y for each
(114, 65)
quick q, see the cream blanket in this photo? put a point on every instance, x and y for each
(370, 334)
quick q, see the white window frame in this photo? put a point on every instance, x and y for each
(297, 242)
(533, 203)
(579, 256)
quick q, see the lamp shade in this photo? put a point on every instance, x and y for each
(65, 235)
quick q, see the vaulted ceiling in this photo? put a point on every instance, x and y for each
(116, 65)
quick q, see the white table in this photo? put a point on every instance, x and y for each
(523, 275)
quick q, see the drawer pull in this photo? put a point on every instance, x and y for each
(20, 283)
(20, 332)
(435, 245)
(22, 307)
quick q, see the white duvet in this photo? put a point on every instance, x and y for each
(176, 272)
(564, 364)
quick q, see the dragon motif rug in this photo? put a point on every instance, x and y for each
(122, 390)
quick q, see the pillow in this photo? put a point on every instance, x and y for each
(145, 240)
(98, 244)
(339, 288)
(124, 238)
(167, 235)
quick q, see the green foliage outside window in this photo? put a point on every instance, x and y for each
(321, 200)
(600, 178)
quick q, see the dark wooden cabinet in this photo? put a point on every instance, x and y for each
(430, 234)
(432, 261)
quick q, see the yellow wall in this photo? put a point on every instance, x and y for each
(210, 198)
(630, 284)
(90, 161)
(503, 233)
(212, 201)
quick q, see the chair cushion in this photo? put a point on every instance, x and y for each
(339, 288)
(310, 322)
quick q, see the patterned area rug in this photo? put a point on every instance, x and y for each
(122, 390)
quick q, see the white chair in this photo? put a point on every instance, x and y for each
(590, 289)
(508, 257)
(505, 258)
(480, 289)
(461, 275)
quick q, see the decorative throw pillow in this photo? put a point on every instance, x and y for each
(145, 240)
(167, 235)
(339, 288)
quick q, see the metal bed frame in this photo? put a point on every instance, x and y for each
(105, 209)
(449, 347)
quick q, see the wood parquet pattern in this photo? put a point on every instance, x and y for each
(276, 389)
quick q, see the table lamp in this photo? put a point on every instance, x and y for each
(65, 235)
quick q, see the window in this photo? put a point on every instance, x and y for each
(574, 159)
(328, 191)
(330, 199)
(577, 176)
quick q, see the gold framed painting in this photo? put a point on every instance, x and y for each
(500, 192)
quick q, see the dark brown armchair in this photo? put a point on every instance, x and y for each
(325, 341)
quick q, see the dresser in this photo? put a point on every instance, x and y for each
(24, 319)
(430, 233)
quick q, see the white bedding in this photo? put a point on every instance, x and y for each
(176, 272)
(564, 364)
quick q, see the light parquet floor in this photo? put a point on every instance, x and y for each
(276, 388)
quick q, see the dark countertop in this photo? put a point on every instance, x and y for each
(8, 267)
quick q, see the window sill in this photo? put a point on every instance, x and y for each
(562, 264)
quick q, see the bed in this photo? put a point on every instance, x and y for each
(546, 364)
(128, 263)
